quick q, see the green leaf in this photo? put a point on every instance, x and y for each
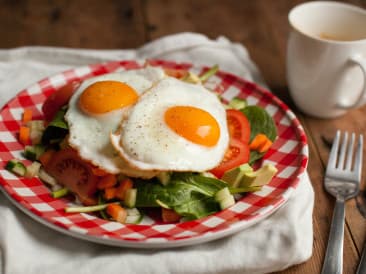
(57, 129)
(190, 195)
(260, 122)
(198, 207)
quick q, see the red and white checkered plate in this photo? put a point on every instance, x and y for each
(289, 154)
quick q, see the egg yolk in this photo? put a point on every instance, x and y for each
(105, 96)
(194, 124)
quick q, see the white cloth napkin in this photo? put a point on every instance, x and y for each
(283, 239)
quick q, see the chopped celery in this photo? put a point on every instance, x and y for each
(212, 71)
(60, 193)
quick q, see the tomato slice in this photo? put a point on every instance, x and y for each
(74, 173)
(58, 99)
(237, 154)
(238, 124)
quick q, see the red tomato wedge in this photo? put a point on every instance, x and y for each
(58, 99)
(236, 155)
(238, 124)
(74, 173)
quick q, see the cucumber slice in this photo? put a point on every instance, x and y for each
(46, 178)
(130, 198)
(227, 202)
(16, 167)
(33, 152)
(237, 103)
(224, 198)
(222, 194)
(134, 216)
(32, 170)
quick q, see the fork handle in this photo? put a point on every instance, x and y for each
(362, 266)
(334, 255)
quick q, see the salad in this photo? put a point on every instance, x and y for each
(175, 195)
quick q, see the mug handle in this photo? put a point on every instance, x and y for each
(361, 62)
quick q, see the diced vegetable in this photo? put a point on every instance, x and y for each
(32, 170)
(122, 188)
(24, 135)
(107, 181)
(169, 215)
(130, 197)
(212, 71)
(36, 128)
(117, 212)
(27, 115)
(260, 143)
(86, 209)
(46, 178)
(224, 198)
(33, 152)
(16, 167)
(110, 193)
(134, 216)
(238, 103)
(60, 193)
(191, 78)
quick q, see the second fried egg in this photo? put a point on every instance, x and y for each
(175, 126)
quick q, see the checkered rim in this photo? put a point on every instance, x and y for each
(289, 154)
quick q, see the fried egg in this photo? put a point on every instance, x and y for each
(96, 109)
(175, 126)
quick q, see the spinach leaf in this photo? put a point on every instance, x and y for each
(199, 206)
(254, 156)
(190, 195)
(260, 122)
(56, 130)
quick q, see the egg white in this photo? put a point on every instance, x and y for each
(89, 134)
(147, 143)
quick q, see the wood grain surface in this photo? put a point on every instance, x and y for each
(260, 25)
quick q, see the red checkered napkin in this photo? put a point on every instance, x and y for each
(289, 154)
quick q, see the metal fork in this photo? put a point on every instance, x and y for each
(342, 180)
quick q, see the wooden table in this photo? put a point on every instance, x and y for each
(260, 25)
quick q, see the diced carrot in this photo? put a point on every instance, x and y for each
(46, 156)
(99, 172)
(24, 135)
(258, 140)
(122, 188)
(107, 181)
(169, 215)
(110, 193)
(27, 115)
(265, 146)
(117, 212)
(260, 143)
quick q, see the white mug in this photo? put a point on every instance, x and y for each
(326, 58)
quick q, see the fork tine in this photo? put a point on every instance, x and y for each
(334, 151)
(350, 152)
(358, 160)
(342, 153)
